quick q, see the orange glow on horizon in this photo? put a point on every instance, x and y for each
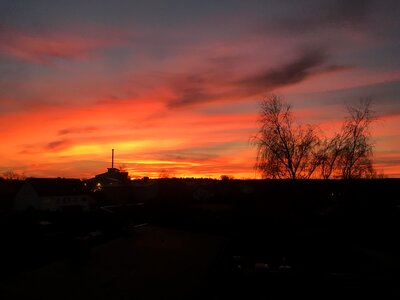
(181, 100)
(155, 148)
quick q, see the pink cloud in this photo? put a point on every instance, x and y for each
(44, 47)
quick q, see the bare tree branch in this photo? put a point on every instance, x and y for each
(283, 150)
(297, 152)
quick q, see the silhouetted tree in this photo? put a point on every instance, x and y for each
(11, 175)
(226, 177)
(164, 174)
(329, 154)
(284, 150)
(355, 158)
(288, 151)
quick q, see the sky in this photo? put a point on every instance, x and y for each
(175, 86)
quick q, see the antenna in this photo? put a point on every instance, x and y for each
(112, 159)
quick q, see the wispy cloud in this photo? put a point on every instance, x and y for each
(77, 130)
(41, 148)
(293, 72)
(198, 88)
(57, 145)
(45, 47)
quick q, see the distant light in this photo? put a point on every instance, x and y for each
(98, 187)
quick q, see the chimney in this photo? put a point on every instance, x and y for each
(112, 159)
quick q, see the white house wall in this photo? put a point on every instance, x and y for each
(27, 198)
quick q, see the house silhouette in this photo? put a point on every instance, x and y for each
(52, 194)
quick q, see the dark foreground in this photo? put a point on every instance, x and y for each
(211, 240)
(153, 262)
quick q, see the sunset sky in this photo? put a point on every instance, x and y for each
(175, 86)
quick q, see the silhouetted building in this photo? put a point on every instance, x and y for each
(52, 194)
(113, 177)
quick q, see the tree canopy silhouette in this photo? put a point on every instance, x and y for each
(289, 151)
(285, 150)
(355, 159)
(11, 175)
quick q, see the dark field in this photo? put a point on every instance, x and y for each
(199, 239)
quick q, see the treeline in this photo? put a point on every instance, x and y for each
(286, 150)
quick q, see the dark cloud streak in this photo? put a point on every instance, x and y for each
(290, 73)
(195, 89)
(320, 15)
(57, 145)
(66, 131)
